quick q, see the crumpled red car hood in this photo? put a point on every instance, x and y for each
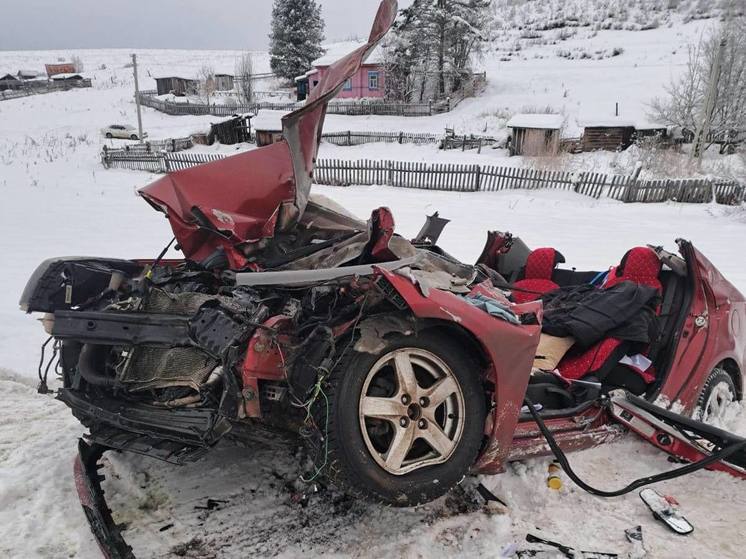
(235, 204)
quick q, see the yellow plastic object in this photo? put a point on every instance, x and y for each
(554, 481)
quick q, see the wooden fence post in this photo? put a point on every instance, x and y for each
(632, 185)
(477, 178)
(578, 181)
(390, 180)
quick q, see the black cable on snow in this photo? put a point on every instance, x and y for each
(663, 476)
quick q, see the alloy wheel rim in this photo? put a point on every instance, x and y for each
(411, 411)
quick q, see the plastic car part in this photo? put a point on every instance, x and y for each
(664, 511)
(91, 494)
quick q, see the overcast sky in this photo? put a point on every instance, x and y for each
(194, 24)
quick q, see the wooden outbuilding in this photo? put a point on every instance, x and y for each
(224, 82)
(233, 130)
(535, 134)
(268, 127)
(9, 81)
(28, 74)
(607, 134)
(63, 68)
(651, 130)
(176, 85)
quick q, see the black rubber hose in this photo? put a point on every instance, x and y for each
(88, 361)
(642, 482)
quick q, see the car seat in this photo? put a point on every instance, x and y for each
(640, 265)
(537, 275)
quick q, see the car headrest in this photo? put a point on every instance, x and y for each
(541, 263)
(639, 263)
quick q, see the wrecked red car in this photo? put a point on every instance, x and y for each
(401, 368)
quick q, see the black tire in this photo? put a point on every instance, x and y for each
(718, 377)
(133, 137)
(346, 460)
(108, 135)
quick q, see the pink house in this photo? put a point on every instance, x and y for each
(366, 83)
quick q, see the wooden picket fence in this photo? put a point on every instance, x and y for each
(28, 88)
(154, 146)
(449, 141)
(339, 107)
(155, 162)
(465, 178)
(350, 138)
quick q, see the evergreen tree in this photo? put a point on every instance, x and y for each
(295, 40)
(433, 44)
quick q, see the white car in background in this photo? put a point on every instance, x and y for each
(124, 131)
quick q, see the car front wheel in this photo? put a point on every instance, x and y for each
(403, 424)
(108, 135)
(133, 137)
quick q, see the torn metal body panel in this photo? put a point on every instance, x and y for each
(255, 195)
(310, 277)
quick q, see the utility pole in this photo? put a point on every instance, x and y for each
(137, 98)
(709, 107)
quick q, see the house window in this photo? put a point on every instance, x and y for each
(348, 85)
(373, 81)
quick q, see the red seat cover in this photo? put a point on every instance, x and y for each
(537, 278)
(640, 265)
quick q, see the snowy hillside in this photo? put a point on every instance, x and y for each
(59, 200)
(632, 15)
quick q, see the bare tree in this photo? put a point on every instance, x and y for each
(207, 81)
(687, 98)
(77, 63)
(245, 77)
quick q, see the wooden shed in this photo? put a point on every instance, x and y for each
(651, 130)
(224, 82)
(233, 130)
(9, 81)
(607, 134)
(176, 85)
(24, 74)
(268, 127)
(535, 134)
(64, 68)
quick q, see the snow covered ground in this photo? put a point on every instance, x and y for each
(39, 514)
(58, 200)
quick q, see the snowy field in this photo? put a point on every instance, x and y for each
(58, 200)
